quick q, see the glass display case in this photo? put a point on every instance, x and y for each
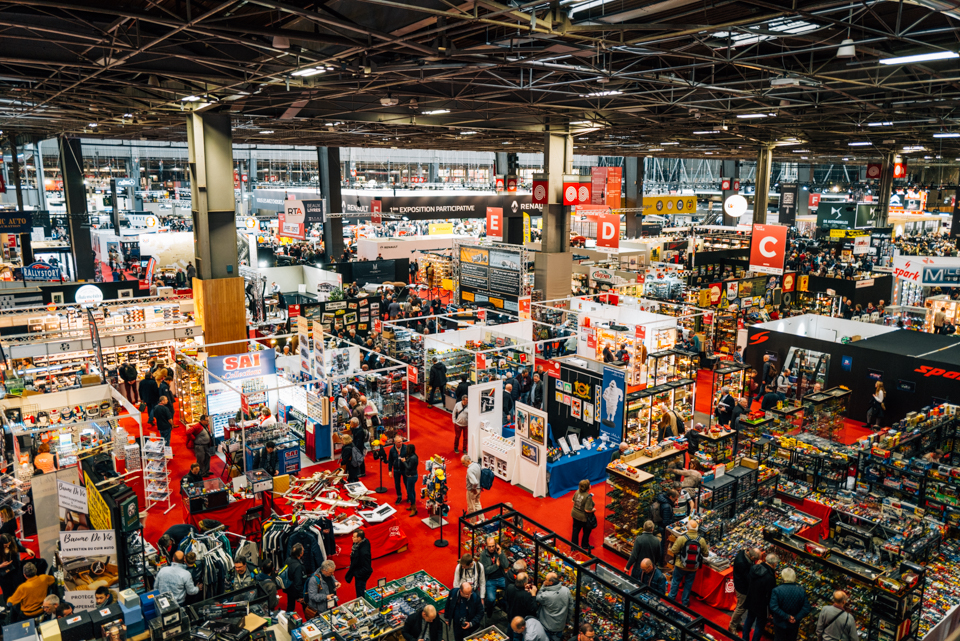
(716, 448)
(661, 367)
(807, 368)
(684, 399)
(725, 333)
(785, 419)
(628, 490)
(637, 417)
(603, 593)
(688, 364)
(730, 375)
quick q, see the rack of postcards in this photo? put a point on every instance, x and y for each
(730, 375)
(617, 606)
(156, 475)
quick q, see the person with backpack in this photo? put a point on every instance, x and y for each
(473, 484)
(320, 588)
(688, 551)
(661, 513)
(291, 575)
(583, 515)
(264, 576)
(351, 458)
(128, 374)
(200, 439)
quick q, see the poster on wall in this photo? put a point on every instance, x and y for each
(344, 315)
(613, 394)
(522, 420)
(492, 276)
(768, 249)
(72, 503)
(89, 561)
(537, 429)
(530, 452)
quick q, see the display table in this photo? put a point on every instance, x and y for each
(565, 474)
(231, 516)
(716, 588)
(815, 533)
(385, 538)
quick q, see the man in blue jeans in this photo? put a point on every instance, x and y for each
(495, 566)
(688, 552)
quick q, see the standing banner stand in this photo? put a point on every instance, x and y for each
(485, 414)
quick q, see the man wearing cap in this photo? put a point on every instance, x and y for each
(689, 551)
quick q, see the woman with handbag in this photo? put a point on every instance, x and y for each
(584, 515)
(876, 409)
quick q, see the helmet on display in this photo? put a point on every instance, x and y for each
(66, 415)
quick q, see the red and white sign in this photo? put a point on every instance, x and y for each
(868, 198)
(498, 186)
(874, 170)
(481, 362)
(899, 170)
(353, 173)
(291, 220)
(591, 340)
(551, 368)
(293, 311)
(608, 230)
(376, 207)
(244, 178)
(725, 184)
(511, 184)
(583, 193)
(245, 404)
(482, 315)
(736, 184)
(570, 193)
(540, 192)
(378, 326)
(524, 306)
(411, 373)
(598, 180)
(815, 200)
(768, 248)
(641, 332)
(495, 223)
(273, 179)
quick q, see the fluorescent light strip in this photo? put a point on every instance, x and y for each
(600, 94)
(436, 112)
(589, 4)
(879, 124)
(922, 57)
(745, 116)
(947, 135)
(704, 133)
(669, 143)
(467, 133)
(306, 73)
(859, 144)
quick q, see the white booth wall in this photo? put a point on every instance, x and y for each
(406, 246)
(825, 328)
(290, 278)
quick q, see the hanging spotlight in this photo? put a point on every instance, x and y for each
(847, 49)
(281, 42)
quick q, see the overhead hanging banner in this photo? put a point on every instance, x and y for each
(788, 204)
(41, 271)
(608, 230)
(292, 221)
(660, 205)
(241, 366)
(16, 222)
(768, 249)
(495, 223)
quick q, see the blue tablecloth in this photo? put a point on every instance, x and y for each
(564, 475)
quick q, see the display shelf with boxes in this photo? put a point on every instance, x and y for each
(715, 448)
(639, 406)
(603, 593)
(787, 418)
(661, 367)
(628, 489)
(192, 399)
(459, 362)
(688, 364)
(730, 375)
(684, 400)
(725, 333)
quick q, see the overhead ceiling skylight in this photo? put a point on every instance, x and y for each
(786, 26)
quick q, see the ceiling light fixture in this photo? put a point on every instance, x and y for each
(880, 124)
(583, 6)
(669, 143)
(92, 124)
(704, 133)
(582, 122)
(862, 143)
(745, 116)
(600, 94)
(947, 134)
(921, 57)
(264, 133)
(436, 112)
(847, 49)
(281, 42)
(191, 99)
(310, 71)
(467, 133)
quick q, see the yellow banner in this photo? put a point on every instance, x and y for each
(100, 517)
(526, 227)
(440, 228)
(663, 205)
(474, 256)
(848, 233)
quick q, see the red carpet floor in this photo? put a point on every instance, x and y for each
(432, 432)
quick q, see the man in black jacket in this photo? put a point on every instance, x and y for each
(508, 403)
(267, 459)
(128, 372)
(520, 599)
(725, 406)
(423, 625)
(295, 578)
(361, 563)
(437, 381)
(746, 559)
(163, 415)
(537, 392)
(464, 611)
(667, 502)
(763, 578)
(645, 546)
(395, 467)
(149, 392)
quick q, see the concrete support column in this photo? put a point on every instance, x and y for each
(729, 169)
(762, 194)
(433, 172)
(329, 159)
(804, 181)
(886, 189)
(75, 197)
(633, 174)
(38, 163)
(554, 263)
(252, 171)
(218, 289)
(500, 163)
